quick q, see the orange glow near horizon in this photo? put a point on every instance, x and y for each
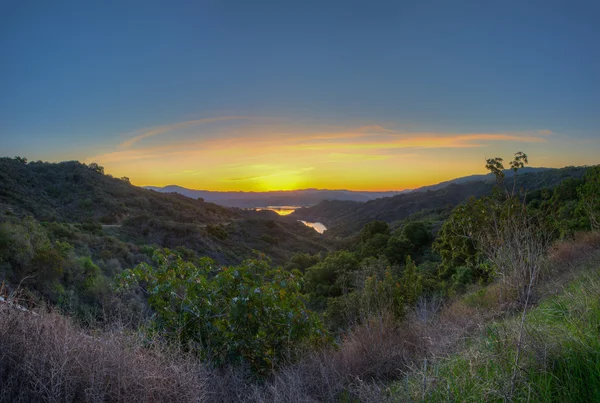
(256, 155)
(281, 210)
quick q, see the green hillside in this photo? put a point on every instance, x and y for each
(72, 192)
(343, 218)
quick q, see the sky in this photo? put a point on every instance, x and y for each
(279, 95)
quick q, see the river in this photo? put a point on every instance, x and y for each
(286, 210)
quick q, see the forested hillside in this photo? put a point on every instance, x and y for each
(74, 193)
(342, 218)
(67, 229)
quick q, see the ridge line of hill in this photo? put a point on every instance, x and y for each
(311, 196)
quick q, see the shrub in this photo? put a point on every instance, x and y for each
(250, 313)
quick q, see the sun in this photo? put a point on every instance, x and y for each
(281, 182)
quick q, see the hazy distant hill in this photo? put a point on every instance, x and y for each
(346, 217)
(310, 197)
(483, 177)
(304, 197)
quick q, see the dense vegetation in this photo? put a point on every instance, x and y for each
(346, 217)
(270, 310)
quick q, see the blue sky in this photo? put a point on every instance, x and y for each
(79, 79)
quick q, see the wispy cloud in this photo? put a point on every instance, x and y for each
(297, 141)
(273, 175)
(238, 152)
(153, 131)
(373, 129)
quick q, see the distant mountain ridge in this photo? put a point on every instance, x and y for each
(303, 197)
(343, 218)
(508, 173)
(310, 197)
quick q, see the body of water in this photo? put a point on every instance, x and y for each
(281, 210)
(286, 210)
(317, 226)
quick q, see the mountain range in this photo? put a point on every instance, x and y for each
(309, 197)
(344, 218)
(302, 197)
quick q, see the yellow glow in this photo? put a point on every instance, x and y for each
(268, 156)
(281, 210)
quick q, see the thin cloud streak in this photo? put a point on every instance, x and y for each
(285, 173)
(175, 126)
(262, 154)
(371, 138)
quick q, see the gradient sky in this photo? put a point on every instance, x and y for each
(266, 95)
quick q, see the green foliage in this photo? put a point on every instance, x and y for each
(410, 285)
(97, 168)
(412, 239)
(496, 167)
(378, 295)
(51, 262)
(562, 209)
(418, 233)
(250, 312)
(374, 228)
(373, 246)
(398, 248)
(301, 261)
(379, 290)
(589, 196)
(331, 278)
(560, 359)
(457, 240)
(217, 231)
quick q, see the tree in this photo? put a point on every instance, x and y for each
(332, 277)
(500, 230)
(398, 248)
(517, 163)
(417, 233)
(95, 167)
(589, 196)
(496, 167)
(458, 240)
(374, 228)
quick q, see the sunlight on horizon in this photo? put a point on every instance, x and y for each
(253, 154)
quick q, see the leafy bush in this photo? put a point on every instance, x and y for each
(332, 277)
(251, 313)
(589, 199)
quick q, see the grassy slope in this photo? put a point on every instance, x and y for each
(560, 355)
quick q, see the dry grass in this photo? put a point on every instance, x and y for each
(564, 259)
(369, 357)
(378, 350)
(567, 254)
(46, 358)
